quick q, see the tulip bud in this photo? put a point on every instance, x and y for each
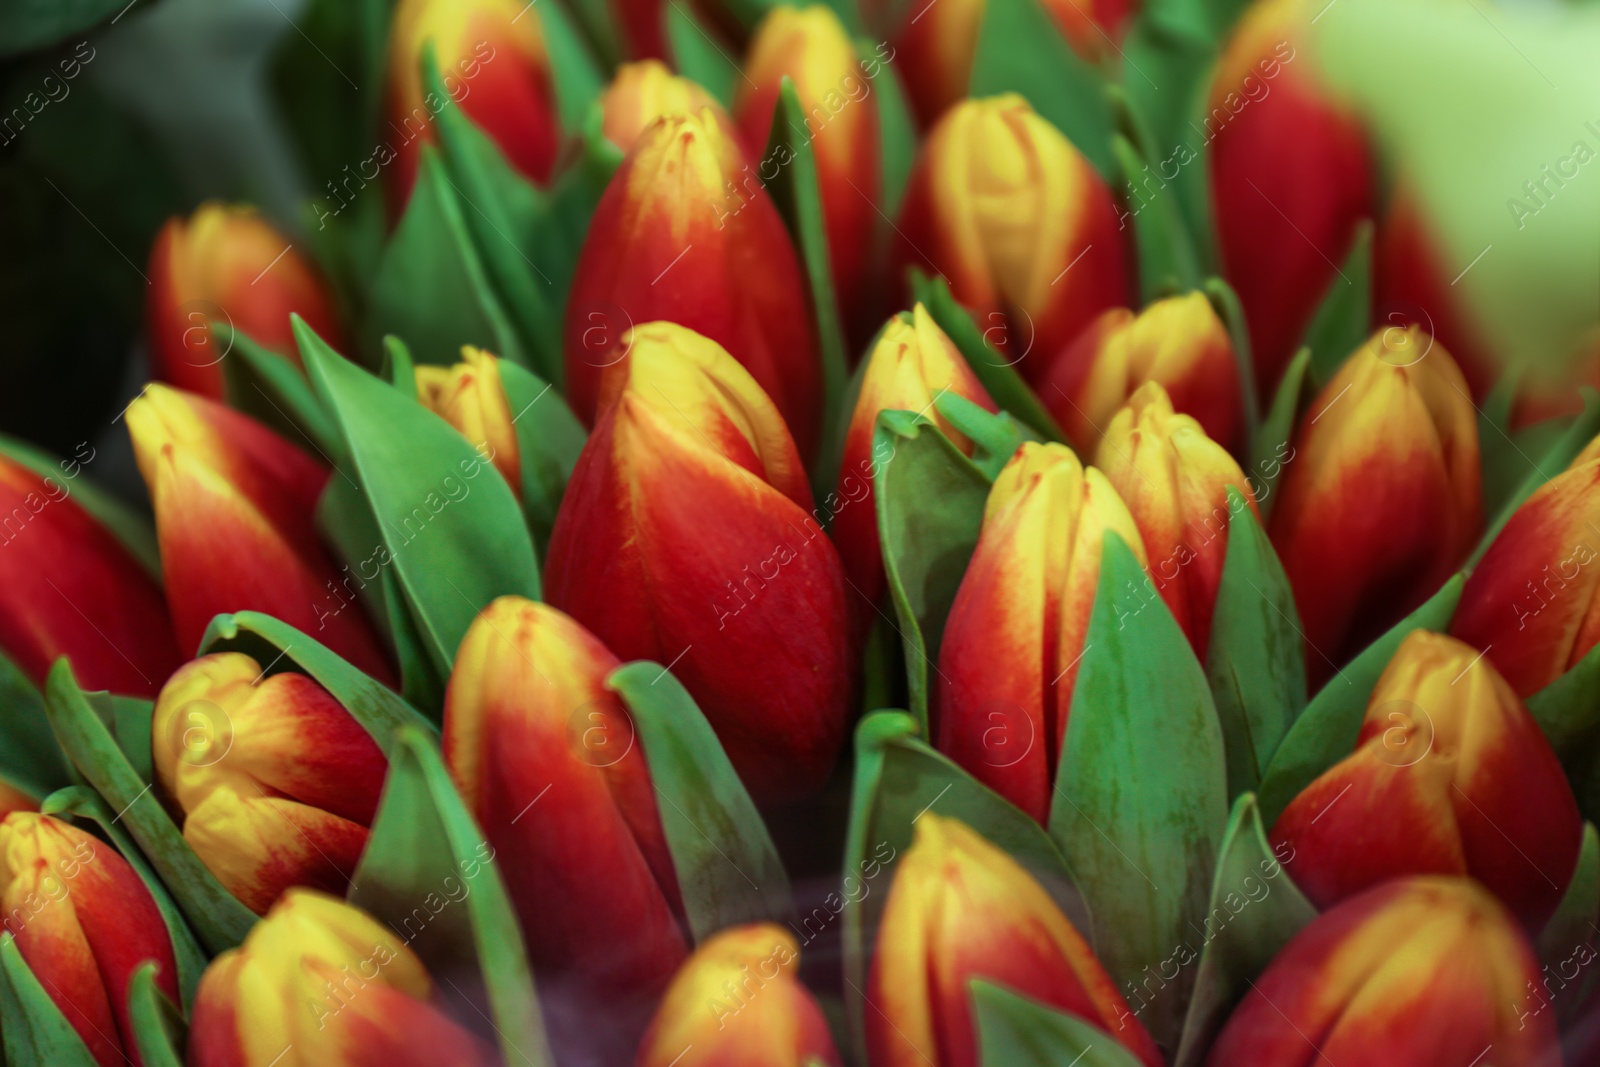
(1175, 482)
(1009, 656)
(645, 91)
(959, 909)
(1019, 223)
(1178, 342)
(225, 490)
(1290, 179)
(1418, 970)
(1450, 775)
(320, 983)
(910, 367)
(491, 56)
(1380, 498)
(685, 231)
(739, 1000)
(469, 397)
(276, 783)
(811, 47)
(742, 577)
(69, 588)
(84, 922)
(226, 264)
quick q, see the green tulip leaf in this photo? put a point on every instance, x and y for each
(558, 232)
(1271, 447)
(455, 538)
(270, 389)
(1228, 308)
(996, 437)
(399, 369)
(345, 521)
(1141, 792)
(1167, 260)
(1256, 663)
(30, 759)
(1018, 1031)
(216, 917)
(549, 438)
(158, 1026)
(699, 57)
(930, 500)
(1498, 451)
(35, 1032)
(1568, 711)
(728, 870)
(1551, 463)
(578, 78)
(897, 129)
(425, 848)
(1326, 731)
(1254, 913)
(1343, 318)
(1568, 939)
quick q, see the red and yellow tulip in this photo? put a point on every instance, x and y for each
(642, 92)
(742, 575)
(739, 1002)
(84, 922)
(227, 264)
(1418, 970)
(1009, 656)
(470, 397)
(276, 783)
(320, 983)
(960, 909)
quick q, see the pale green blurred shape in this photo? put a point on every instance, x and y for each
(1471, 100)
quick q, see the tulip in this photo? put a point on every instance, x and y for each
(470, 397)
(960, 909)
(84, 922)
(1530, 602)
(492, 58)
(225, 490)
(528, 712)
(1009, 656)
(1419, 970)
(739, 1002)
(1175, 482)
(320, 983)
(1381, 500)
(276, 783)
(741, 577)
(225, 263)
(69, 588)
(641, 26)
(1290, 178)
(645, 91)
(1178, 342)
(912, 364)
(1450, 775)
(686, 232)
(1020, 225)
(811, 46)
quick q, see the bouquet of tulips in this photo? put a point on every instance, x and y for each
(965, 533)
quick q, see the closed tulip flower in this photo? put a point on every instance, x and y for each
(320, 983)
(1020, 225)
(1382, 501)
(810, 46)
(235, 507)
(1175, 482)
(1418, 970)
(70, 588)
(1530, 602)
(469, 397)
(1290, 180)
(1178, 342)
(1450, 775)
(961, 909)
(225, 263)
(84, 922)
(1009, 656)
(685, 231)
(912, 364)
(642, 92)
(740, 594)
(275, 782)
(739, 1002)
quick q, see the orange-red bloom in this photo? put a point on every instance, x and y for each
(84, 922)
(1009, 656)
(275, 783)
(235, 512)
(1418, 970)
(1381, 501)
(686, 537)
(225, 263)
(960, 909)
(469, 397)
(1020, 225)
(642, 92)
(69, 588)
